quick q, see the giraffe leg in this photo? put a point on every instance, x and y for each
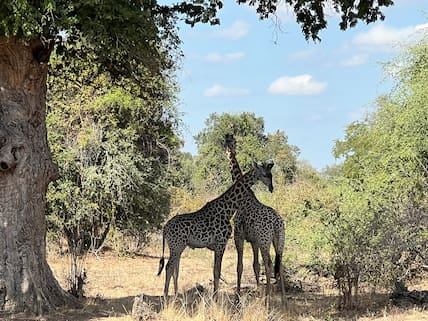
(268, 267)
(256, 264)
(175, 276)
(172, 271)
(218, 257)
(168, 273)
(278, 243)
(239, 244)
(282, 280)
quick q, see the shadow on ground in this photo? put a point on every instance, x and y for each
(91, 308)
(314, 306)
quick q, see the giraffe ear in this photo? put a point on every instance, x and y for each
(256, 165)
(269, 164)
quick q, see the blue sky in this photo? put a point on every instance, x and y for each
(311, 91)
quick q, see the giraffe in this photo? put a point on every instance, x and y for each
(258, 224)
(209, 227)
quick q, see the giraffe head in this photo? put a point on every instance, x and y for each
(229, 143)
(263, 173)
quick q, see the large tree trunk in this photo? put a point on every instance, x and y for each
(26, 280)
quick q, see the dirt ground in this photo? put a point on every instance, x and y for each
(113, 283)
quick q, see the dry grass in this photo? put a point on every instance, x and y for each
(114, 282)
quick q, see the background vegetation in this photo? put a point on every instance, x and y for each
(113, 133)
(363, 222)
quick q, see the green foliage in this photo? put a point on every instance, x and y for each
(98, 19)
(185, 168)
(212, 166)
(113, 150)
(378, 230)
(284, 154)
(303, 205)
(125, 38)
(26, 19)
(310, 14)
(120, 33)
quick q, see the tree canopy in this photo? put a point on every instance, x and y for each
(114, 152)
(254, 145)
(129, 42)
(378, 229)
(119, 34)
(311, 14)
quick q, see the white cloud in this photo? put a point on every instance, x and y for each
(225, 57)
(237, 30)
(423, 27)
(297, 85)
(388, 38)
(218, 90)
(304, 54)
(355, 60)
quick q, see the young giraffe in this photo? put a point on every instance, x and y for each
(209, 227)
(258, 224)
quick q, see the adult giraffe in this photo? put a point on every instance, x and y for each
(258, 224)
(209, 227)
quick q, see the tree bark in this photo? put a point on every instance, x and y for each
(26, 168)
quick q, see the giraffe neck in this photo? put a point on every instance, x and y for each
(235, 170)
(238, 192)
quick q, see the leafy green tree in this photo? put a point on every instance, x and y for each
(254, 145)
(379, 228)
(185, 168)
(211, 165)
(113, 150)
(285, 155)
(128, 39)
(303, 205)
(108, 35)
(310, 14)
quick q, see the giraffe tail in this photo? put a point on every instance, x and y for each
(277, 266)
(162, 259)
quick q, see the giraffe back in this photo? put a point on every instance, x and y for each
(210, 226)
